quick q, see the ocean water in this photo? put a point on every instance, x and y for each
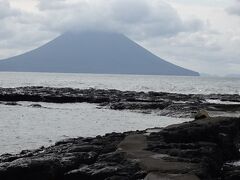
(26, 127)
(185, 85)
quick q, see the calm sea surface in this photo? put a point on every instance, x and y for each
(186, 85)
(26, 127)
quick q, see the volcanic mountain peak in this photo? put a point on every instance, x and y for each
(93, 52)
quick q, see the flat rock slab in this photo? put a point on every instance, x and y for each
(158, 176)
(134, 146)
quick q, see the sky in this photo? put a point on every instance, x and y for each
(200, 35)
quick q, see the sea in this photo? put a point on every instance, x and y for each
(26, 127)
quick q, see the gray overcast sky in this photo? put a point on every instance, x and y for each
(200, 35)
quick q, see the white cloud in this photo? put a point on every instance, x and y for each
(53, 4)
(6, 11)
(140, 17)
(213, 49)
(19, 31)
(235, 8)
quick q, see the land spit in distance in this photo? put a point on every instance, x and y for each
(200, 149)
(165, 104)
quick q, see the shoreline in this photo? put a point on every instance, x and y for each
(165, 104)
(199, 149)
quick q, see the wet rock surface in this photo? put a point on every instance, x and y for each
(79, 158)
(208, 143)
(165, 104)
(201, 149)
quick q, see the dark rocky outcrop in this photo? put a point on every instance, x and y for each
(201, 149)
(208, 143)
(80, 158)
(165, 104)
(12, 104)
(35, 105)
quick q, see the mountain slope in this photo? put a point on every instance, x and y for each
(92, 52)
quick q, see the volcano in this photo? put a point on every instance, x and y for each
(93, 52)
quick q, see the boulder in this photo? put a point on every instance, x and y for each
(202, 114)
(35, 105)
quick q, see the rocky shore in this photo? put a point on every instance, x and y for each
(165, 104)
(201, 149)
(207, 148)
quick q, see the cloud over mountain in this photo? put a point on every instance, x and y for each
(137, 18)
(140, 17)
(193, 34)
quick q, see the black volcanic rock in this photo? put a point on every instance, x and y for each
(165, 104)
(93, 52)
(201, 149)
